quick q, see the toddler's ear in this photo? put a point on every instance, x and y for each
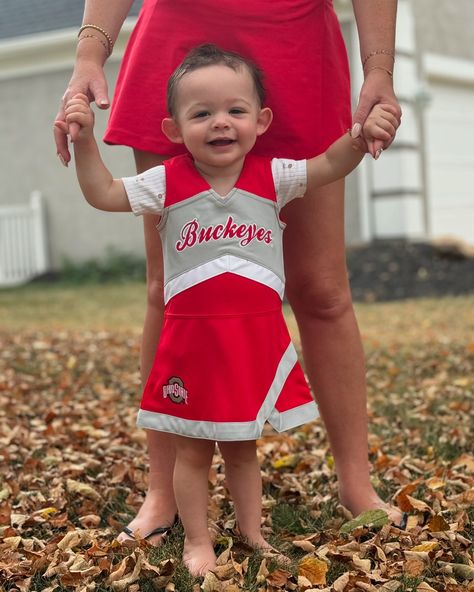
(171, 130)
(264, 120)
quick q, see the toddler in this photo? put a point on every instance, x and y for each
(225, 363)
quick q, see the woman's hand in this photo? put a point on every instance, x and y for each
(87, 79)
(377, 89)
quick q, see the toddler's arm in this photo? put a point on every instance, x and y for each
(100, 189)
(343, 155)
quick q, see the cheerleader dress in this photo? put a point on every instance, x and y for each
(225, 363)
(297, 43)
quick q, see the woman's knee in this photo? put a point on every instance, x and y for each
(322, 296)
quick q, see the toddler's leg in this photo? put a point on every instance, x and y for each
(191, 473)
(244, 481)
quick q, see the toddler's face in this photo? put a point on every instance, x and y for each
(218, 115)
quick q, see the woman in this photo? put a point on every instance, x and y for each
(299, 46)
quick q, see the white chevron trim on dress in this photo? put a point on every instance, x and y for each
(239, 430)
(224, 264)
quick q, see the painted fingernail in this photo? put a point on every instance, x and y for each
(104, 102)
(63, 162)
(356, 128)
(378, 153)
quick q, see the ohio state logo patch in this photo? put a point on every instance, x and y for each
(175, 390)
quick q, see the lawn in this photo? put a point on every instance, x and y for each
(73, 466)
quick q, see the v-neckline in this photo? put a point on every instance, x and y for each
(217, 196)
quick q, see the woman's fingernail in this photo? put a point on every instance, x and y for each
(63, 162)
(378, 153)
(103, 102)
(356, 128)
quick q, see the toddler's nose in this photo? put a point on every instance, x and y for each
(220, 121)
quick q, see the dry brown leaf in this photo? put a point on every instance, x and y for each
(314, 569)
(425, 547)
(82, 489)
(418, 504)
(124, 583)
(225, 571)
(262, 572)
(438, 524)
(305, 545)
(362, 564)
(465, 460)
(414, 567)
(435, 483)
(278, 578)
(211, 583)
(341, 582)
(425, 587)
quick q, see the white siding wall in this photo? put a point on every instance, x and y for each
(450, 150)
(29, 95)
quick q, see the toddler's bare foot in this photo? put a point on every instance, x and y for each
(199, 557)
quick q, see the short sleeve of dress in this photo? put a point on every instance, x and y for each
(289, 177)
(146, 191)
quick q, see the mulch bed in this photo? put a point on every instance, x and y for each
(395, 270)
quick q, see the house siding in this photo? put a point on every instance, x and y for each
(75, 230)
(445, 27)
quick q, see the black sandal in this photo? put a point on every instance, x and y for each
(156, 531)
(403, 522)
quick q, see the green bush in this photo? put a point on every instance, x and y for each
(114, 267)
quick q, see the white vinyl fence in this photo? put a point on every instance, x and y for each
(23, 245)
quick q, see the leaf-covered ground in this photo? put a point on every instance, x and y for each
(73, 469)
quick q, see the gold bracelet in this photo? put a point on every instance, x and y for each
(104, 33)
(389, 52)
(98, 39)
(389, 72)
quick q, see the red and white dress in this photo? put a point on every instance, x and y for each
(225, 363)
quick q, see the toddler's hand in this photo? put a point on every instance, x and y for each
(78, 110)
(379, 128)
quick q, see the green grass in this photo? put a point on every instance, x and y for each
(118, 306)
(121, 306)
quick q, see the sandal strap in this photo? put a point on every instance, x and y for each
(159, 530)
(129, 532)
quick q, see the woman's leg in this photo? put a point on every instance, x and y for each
(244, 480)
(318, 291)
(159, 507)
(191, 476)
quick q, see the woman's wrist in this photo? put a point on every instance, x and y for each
(386, 72)
(382, 60)
(89, 50)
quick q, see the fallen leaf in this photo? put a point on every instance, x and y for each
(425, 547)
(438, 524)
(313, 569)
(370, 518)
(285, 462)
(82, 489)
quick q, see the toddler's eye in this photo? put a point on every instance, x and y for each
(201, 114)
(237, 111)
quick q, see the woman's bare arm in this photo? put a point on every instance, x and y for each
(88, 74)
(376, 23)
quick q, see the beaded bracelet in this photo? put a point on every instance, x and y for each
(98, 39)
(389, 52)
(104, 33)
(389, 72)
